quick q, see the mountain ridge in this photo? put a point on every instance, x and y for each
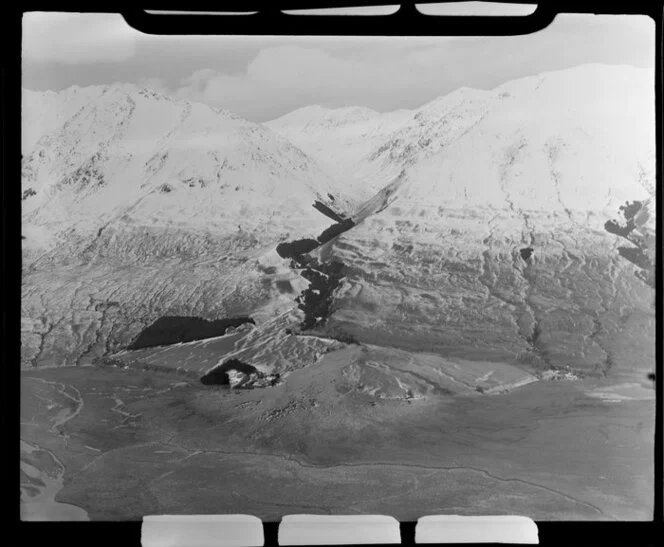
(479, 208)
(140, 146)
(566, 103)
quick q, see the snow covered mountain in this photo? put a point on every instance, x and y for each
(340, 138)
(479, 225)
(117, 177)
(486, 236)
(587, 131)
(460, 289)
(123, 152)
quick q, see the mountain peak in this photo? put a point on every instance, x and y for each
(321, 118)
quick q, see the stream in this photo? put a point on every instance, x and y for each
(40, 485)
(38, 495)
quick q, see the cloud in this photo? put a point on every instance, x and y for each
(156, 84)
(76, 38)
(284, 77)
(262, 78)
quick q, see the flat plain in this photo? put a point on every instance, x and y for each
(136, 443)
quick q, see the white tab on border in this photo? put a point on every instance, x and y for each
(338, 529)
(202, 531)
(490, 529)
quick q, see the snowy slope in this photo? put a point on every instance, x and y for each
(340, 138)
(137, 206)
(123, 153)
(42, 112)
(587, 131)
(575, 140)
(141, 193)
(474, 179)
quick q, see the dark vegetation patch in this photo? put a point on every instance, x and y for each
(284, 286)
(636, 256)
(324, 278)
(268, 270)
(299, 247)
(293, 249)
(321, 207)
(622, 230)
(335, 230)
(526, 253)
(172, 330)
(252, 377)
(219, 375)
(640, 255)
(629, 210)
(342, 335)
(316, 300)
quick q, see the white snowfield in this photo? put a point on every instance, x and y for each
(138, 206)
(576, 139)
(122, 153)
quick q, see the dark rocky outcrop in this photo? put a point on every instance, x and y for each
(172, 330)
(629, 211)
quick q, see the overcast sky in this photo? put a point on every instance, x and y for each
(262, 78)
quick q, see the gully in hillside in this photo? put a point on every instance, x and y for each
(324, 278)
